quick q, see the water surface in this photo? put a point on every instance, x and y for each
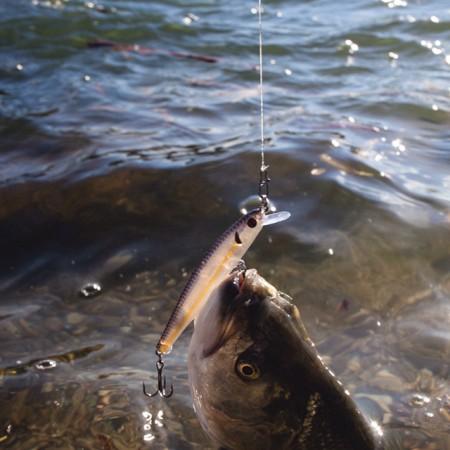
(128, 139)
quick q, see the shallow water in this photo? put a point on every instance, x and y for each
(128, 139)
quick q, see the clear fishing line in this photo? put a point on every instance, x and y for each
(261, 91)
(263, 190)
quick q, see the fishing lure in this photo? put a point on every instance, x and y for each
(217, 264)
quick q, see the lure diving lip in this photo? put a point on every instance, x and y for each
(220, 260)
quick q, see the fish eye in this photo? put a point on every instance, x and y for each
(247, 370)
(252, 222)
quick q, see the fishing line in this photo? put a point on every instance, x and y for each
(264, 179)
(261, 91)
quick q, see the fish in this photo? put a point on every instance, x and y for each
(257, 381)
(217, 264)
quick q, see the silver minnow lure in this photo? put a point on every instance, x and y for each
(221, 259)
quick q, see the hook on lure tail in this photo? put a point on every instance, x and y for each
(162, 385)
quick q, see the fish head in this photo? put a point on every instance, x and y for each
(256, 379)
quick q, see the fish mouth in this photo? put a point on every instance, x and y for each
(239, 304)
(251, 282)
(252, 285)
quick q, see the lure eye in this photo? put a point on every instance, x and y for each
(252, 222)
(247, 370)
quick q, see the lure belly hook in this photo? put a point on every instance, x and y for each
(162, 387)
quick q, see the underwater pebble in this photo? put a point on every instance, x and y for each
(47, 387)
(91, 290)
(5, 435)
(75, 318)
(54, 324)
(385, 378)
(419, 400)
(445, 413)
(425, 381)
(80, 331)
(354, 364)
(171, 283)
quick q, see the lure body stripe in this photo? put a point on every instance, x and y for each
(223, 257)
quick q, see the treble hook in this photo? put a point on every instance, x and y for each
(162, 390)
(263, 190)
